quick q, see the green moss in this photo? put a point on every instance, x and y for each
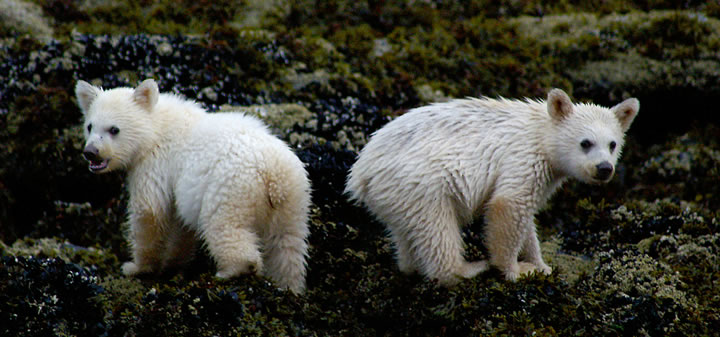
(282, 118)
(687, 166)
(97, 258)
(635, 73)
(255, 12)
(159, 17)
(24, 18)
(643, 293)
(658, 35)
(355, 40)
(696, 260)
(609, 57)
(193, 308)
(572, 267)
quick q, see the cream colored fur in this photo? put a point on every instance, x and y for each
(436, 168)
(222, 178)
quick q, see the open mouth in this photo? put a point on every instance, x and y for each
(98, 165)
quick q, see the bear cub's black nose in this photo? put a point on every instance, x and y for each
(604, 171)
(91, 153)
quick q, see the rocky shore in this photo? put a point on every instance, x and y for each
(639, 256)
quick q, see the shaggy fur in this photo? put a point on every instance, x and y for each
(436, 168)
(220, 177)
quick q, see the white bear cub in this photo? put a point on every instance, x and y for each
(435, 168)
(220, 177)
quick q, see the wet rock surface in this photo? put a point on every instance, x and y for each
(638, 256)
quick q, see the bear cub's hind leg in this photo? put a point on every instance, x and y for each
(180, 247)
(285, 260)
(284, 244)
(233, 244)
(438, 247)
(405, 261)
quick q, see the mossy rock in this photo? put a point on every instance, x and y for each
(643, 293)
(284, 120)
(98, 259)
(24, 18)
(572, 266)
(281, 117)
(665, 58)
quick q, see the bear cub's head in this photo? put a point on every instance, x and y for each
(118, 123)
(587, 139)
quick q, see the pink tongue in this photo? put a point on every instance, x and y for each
(96, 164)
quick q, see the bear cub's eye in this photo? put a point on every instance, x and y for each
(114, 130)
(613, 145)
(586, 144)
(89, 127)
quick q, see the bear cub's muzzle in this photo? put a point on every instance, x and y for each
(92, 154)
(604, 171)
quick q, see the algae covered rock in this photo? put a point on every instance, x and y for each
(95, 259)
(24, 18)
(282, 119)
(636, 294)
(665, 58)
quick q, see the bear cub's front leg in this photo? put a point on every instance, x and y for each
(146, 242)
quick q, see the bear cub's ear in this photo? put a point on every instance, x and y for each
(626, 112)
(146, 94)
(86, 94)
(559, 105)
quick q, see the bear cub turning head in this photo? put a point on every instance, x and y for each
(436, 168)
(222, 178)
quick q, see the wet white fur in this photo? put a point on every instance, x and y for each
(222, 177)
(436, 168)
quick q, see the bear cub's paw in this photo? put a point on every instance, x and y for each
(249, 267)
(543, 268)
(132, 269)
(471, 269)
(523, 269)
